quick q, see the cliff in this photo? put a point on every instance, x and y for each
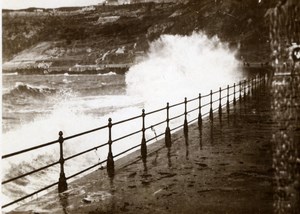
(105, 34)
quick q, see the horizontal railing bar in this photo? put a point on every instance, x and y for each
(157, 136)
(29, 173)
(157, 124)
(204, 96)
(86, 132)
(31, 194)
(224, 97)
(177, 104)
(127, 150)
(126, 120)
(224, 105)
(86, 151)
(216, 109)
(215, 92)
(192, 120)
(29, 149)
(207, 104)
(216, 100)
(191, 100)
(155, 111)
(175, 117)
(230, 87)
(87, 169)
(207, 113)
(125, 136)
(192, 110)
(177, 127)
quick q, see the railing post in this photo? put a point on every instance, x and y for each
(200, 114)
(110, 158)
(62, 183)
(168, 141)
(266, 79)
(220, 102)
(234, 100)
(143, 143)
(211, 110)
(260, 83)
(245, 85)
(227, 104)
(185, 125)
(255, 83)
(252, 86)
(240, 91)
(248, 87)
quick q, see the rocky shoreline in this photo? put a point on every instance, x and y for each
(63, 70)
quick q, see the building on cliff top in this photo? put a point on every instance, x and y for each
(121, 2)
(117, 2)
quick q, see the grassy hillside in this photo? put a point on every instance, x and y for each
(118, 34)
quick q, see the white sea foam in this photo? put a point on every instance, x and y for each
(108, 74)
(10, 74)
(182, 66)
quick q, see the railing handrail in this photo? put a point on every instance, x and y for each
(242, 86)
(51, 143)
(29, 149)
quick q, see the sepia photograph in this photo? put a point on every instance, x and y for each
(150, 106)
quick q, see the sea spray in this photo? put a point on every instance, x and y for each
(181, 66)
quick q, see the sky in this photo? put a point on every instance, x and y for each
(21, 4)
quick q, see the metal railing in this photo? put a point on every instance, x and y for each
(238, 92)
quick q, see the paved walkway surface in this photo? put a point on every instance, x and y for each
(224, 167)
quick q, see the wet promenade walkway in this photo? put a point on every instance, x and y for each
(224, 167)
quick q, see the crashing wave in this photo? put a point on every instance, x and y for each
(27, 90)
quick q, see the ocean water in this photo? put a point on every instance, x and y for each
(28, 97)
(37, 107)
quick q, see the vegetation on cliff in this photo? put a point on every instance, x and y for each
(118, 34)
